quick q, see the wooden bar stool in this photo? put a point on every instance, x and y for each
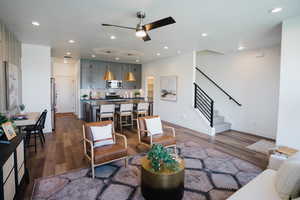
(126, 112)
(142, 110)
(107, 111)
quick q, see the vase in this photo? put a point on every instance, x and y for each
(161, 185)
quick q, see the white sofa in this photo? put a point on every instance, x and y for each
(260, 188)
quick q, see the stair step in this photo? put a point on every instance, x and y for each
(216, 113)
(222, 127)
(218, 119)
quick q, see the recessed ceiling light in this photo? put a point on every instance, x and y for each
(35, 23)
(93, 55)
(117, 58)
(179, 52)
(204, 34)
(158, 54)
(137, 60)
(71, 41)
(68, 53)
(165, 47)
(112, 37)
(276, 10)
(241, 48)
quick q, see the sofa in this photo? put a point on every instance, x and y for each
(283, 184)
(260, 188)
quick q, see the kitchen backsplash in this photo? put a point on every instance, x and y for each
(100, 93)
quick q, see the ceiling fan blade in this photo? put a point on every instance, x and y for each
(159, 23)
(118, 26)
(146, 38)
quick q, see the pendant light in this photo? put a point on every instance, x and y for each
(108, 76)
(129, 76)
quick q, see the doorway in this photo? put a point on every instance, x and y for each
(150, 86)
(65, 94)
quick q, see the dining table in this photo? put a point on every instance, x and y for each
(31, 119)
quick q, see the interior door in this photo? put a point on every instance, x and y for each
(65, 94)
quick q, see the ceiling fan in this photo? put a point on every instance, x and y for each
(141, 30)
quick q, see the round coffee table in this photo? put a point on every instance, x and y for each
(162, 185)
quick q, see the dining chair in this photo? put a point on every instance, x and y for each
(36, 130)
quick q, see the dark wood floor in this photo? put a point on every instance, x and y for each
(63, 150)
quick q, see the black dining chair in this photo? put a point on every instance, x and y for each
(36, 130)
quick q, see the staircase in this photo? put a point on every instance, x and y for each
(205, 104)
(219, 124)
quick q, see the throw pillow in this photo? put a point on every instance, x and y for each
(154, 126)
(102, 135)
(287, 181)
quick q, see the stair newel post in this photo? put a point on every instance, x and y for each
(212, 114)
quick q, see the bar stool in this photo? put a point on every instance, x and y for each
(126, 111)
(107, 111)
(142, 110)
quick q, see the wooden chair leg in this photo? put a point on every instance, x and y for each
(34, 142)
(126, 162)
(43, 136)
(93, 171)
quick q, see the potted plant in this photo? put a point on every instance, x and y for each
(3, 119)
(162, 174)
(85, 96)
(137, 94)
(22, 108)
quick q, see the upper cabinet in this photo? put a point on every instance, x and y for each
(92, 72)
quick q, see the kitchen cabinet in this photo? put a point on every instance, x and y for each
(92, 72)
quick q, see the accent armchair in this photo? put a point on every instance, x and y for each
(103, 154)
(167, 138)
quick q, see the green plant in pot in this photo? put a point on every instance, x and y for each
(3, 119)
(85, 96)
(162, 174)
(137, 93)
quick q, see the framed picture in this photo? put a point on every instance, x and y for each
(12, 85)
(9, 130)
(168, 88)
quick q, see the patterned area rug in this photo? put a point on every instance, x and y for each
(209, 175)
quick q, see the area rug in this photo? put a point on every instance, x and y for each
(262, 146)
(209, 175)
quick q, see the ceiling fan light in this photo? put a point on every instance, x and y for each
(140, 33)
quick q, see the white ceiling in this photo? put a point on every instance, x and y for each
(229, 23)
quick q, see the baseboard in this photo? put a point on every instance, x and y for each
(190, 131)
(253, 134)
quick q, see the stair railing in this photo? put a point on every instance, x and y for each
(230, 97)
(204, 104)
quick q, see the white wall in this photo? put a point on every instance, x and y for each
(289, 97)
(252, 78)
(63, 69)
(36, 73)
(182, 111)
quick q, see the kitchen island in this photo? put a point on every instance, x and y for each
(90, 107)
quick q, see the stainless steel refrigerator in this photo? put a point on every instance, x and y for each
(53, 103)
